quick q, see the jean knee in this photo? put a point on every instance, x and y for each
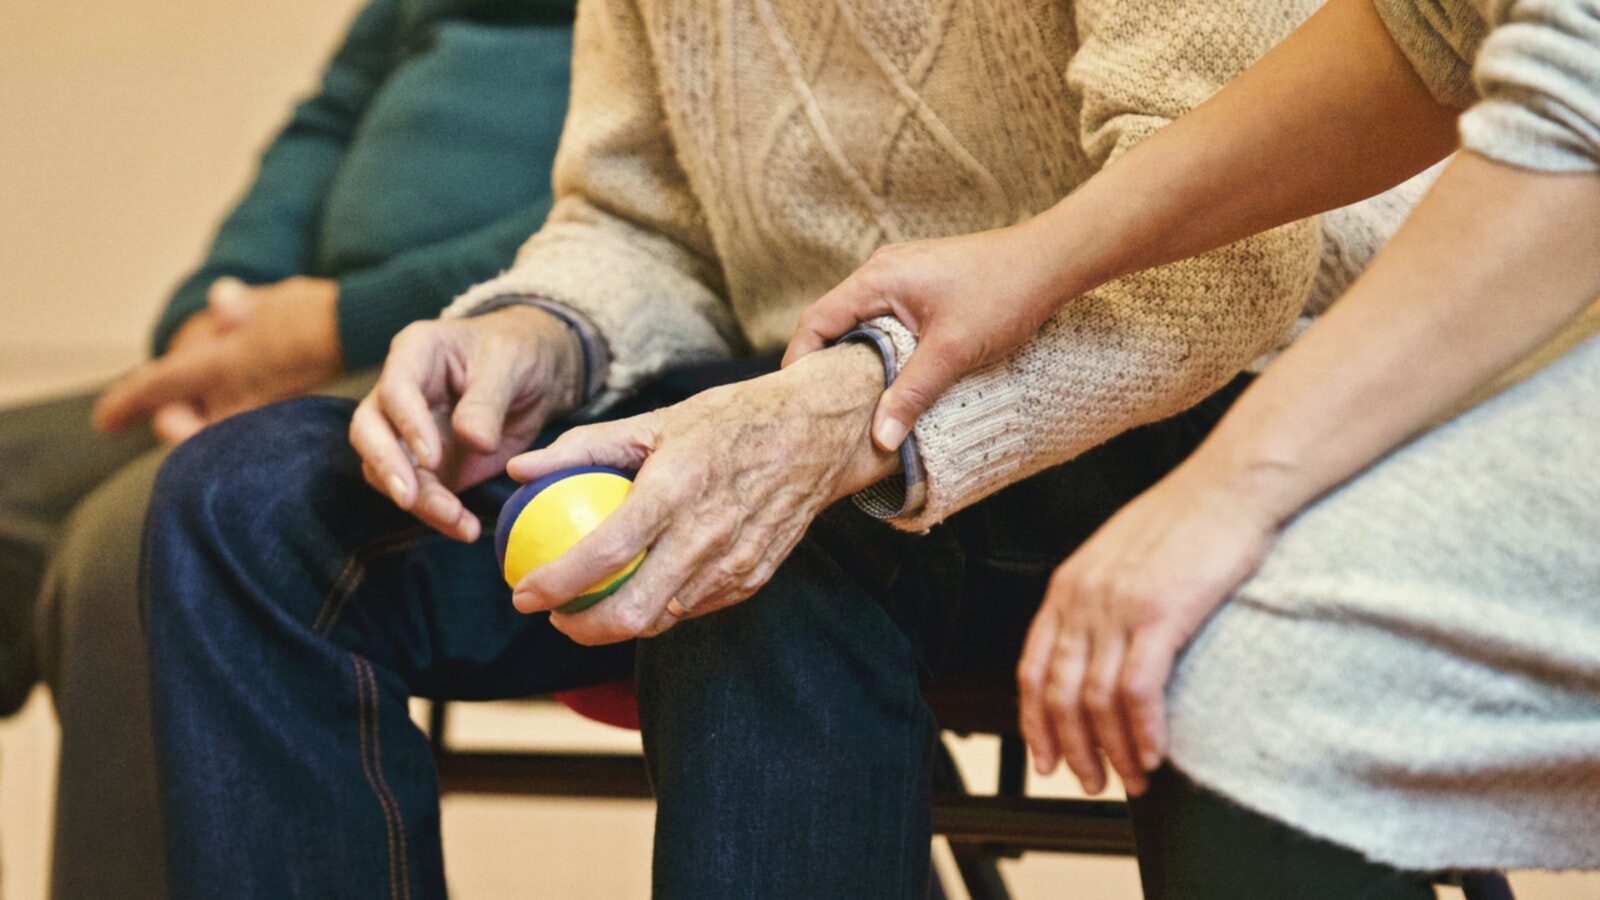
(236, 493)
(263, 447)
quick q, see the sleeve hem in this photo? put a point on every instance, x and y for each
(905, 493)
(373, 306)
(1508, 132)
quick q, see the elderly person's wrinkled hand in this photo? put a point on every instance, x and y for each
(728, 482)
(456, 400)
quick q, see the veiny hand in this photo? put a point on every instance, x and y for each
(457, 398)
(1094, 669)
(970, 300)
(250, 347)
(728, 481)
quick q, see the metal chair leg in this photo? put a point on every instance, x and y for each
(438, 724)
(1486, 886)
(978, 864)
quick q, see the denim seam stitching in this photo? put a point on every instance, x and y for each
(394, 822)
(355, 570)
(366, 769)
(383, 783)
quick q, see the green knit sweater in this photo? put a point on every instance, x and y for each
(415, 171)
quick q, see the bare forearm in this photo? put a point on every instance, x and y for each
(1492, 263)
(1334, 114)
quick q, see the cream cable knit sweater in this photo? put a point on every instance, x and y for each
(725, 164)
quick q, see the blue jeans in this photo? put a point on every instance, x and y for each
(292, 611)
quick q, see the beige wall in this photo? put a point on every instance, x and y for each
(125, 130)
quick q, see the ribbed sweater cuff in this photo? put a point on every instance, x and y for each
(968, 430)
(905, 493)
(374, 305)
(644, 313)
(596, 354)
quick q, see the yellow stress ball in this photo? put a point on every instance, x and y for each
(544, 518)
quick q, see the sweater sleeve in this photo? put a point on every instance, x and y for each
(375, 303)
(270, 232)
(1149, 345)
(626, 245)
(1538, 73)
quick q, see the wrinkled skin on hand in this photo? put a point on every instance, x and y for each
(728, 482)
(456, 400)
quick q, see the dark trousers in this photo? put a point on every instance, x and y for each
(292, 611)
(1195, 845)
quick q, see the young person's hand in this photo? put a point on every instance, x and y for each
(456, 400)
(970, 300)
(1093, 672)
(728, 482)
(251, 346)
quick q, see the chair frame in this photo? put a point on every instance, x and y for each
(982, 828)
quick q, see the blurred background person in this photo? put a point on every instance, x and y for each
(415, 170)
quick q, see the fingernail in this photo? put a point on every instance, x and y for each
(889, 433)
(397, 488)
(1150, 760)
(525, 600)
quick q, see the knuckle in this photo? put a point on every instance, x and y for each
(740, 562)
(1091, 589)
(719, 537)
(1137, 689)
(391, 390)
(814, 319)
(1061, 704)
(637, 620)
(913, 395)
(751, 582)
(613, 549)
(409, 335)
(1063, 581)
(1098, 696)
(1143, 606)
(725, 572)
(568, 438)
(884, 268)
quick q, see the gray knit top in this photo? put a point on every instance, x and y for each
(1414, 672)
